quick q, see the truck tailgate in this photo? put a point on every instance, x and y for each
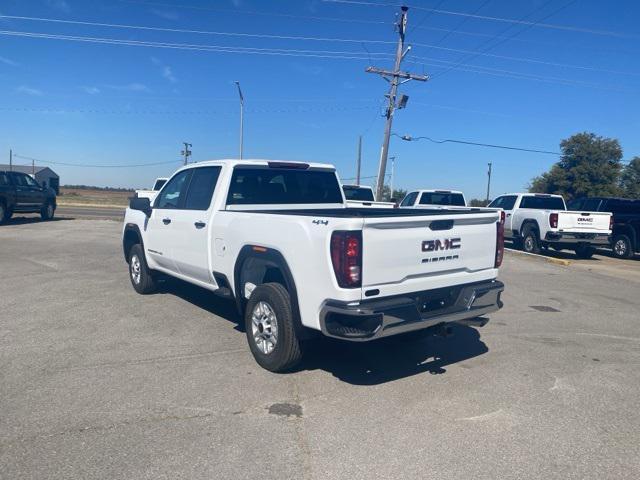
(589, 222)
(410, 254)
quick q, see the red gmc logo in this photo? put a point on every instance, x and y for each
(435, 245)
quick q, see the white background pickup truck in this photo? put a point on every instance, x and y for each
(150, 194)
(278, 238)
(535, 220)
(430, 198)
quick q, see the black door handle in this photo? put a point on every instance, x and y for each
(200, 224)
(166, 221)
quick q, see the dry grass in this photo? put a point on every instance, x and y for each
(95, 197)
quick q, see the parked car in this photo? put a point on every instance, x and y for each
(362, 196)
(277, 238)
(20, 193)
(536, 220)
(625, 237)
(150, 194)
(430, 198)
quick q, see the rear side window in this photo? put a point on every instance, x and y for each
(4, 179)
(505, 202)
(271, 186)
(409, 200)
(442, 198)
(542, 203)
(358, 193)
(173, 193)
(203, 182)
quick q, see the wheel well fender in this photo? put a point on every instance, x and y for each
(529, 221)
(260, 265)
(131, 237)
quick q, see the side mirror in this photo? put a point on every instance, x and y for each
(141, 204)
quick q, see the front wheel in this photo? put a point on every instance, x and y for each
(47, 212)
(270, 329)
(584, 251)
(4, 213)
(140, 275)
(622, 246)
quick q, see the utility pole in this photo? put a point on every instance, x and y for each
(393, 167)
(393, 77)
(186, 152)
(241, 117)
(10, 160)
(488, 182)
(33, 167)
(359, 160)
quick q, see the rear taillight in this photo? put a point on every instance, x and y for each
(346, 256)
(611, 222)
(499, 240)
(553, 220)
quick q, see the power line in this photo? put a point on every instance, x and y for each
(94, 166)
(495, 19)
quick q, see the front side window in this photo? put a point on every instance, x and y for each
(271, 186)
(174, 191)
(159, 183)
(30, 181)
(409, 200)
(203, 182)
(4, 179)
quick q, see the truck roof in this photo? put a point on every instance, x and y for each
(528, 194)
(436, 190)
(263, 162)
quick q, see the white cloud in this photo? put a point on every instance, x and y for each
(130, 87)
(167, 15)
(61, 5)
(167, 72)
(91, 90)
(8, 61)
(29, 91)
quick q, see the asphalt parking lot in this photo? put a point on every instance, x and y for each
(99, 382)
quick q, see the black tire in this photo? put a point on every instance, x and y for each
(584, 251)
(622, 247)
(287, 351)
(47, 212)
(530, 239)
(4, 213)
(141, 276)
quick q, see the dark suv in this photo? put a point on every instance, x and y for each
(21, 193)
(625, 238)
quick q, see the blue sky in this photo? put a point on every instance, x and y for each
(104, 103)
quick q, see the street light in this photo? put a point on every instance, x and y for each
(241, 116)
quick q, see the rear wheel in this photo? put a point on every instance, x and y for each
(622, 246)
(142, 278)
(270, 329)
(47, 212)
(584, 250)
(530, 240)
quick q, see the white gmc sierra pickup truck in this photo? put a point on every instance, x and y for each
(278, 238)
(535, 220)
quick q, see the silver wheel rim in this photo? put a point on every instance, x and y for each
(264, 327)
(136, 270)
(620, 247)
(528, 243)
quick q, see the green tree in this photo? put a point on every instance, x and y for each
(398, 194)
(589, 166)
(630, 180)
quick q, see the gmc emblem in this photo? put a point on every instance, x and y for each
(585, 219)
(435, 245)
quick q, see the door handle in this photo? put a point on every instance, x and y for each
(200, 224)
(166, 221)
